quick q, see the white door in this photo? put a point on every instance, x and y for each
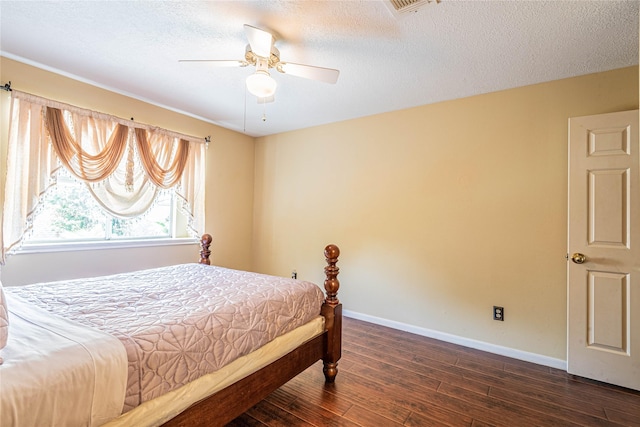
(604, 249)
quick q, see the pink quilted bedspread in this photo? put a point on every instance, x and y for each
(180, 322)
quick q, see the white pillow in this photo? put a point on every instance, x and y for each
(4, 321)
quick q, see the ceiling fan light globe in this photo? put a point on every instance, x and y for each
(261, 84)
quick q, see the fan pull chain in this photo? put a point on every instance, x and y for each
(264, 110)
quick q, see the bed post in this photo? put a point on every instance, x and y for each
(332, 312)
(205, 242)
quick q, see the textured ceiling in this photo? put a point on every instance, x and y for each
(446, 50)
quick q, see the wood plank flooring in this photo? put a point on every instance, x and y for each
(393, 378)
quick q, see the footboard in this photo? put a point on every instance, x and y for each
(234, 400)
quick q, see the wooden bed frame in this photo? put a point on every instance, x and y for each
(232, 401)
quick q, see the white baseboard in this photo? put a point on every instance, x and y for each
(467, 342)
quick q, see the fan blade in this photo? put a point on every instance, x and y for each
(259, 40)
(219, 62)
(327, 75)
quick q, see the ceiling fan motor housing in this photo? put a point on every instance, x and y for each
(272, 61)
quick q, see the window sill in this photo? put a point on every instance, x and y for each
(31, 248)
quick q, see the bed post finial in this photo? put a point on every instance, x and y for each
(331, 284)
(205, 242)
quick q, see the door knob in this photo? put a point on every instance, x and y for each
(578, 258)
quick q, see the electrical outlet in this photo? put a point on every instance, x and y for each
(498, 313)
(294, 274)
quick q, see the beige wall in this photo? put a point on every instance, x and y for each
(229, 177)
(441, 211)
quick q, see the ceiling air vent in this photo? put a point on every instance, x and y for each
(402, 7)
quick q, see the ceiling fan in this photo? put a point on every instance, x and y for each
(262, 54)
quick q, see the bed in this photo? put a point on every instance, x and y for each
(185, 345)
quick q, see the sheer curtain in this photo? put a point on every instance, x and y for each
(124, 164)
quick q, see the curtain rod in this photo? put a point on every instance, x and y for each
(7, 87)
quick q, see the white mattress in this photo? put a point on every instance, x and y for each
(60, 371)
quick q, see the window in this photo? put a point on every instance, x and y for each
(70, 214)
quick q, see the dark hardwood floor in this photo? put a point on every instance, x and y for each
(392, 378)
